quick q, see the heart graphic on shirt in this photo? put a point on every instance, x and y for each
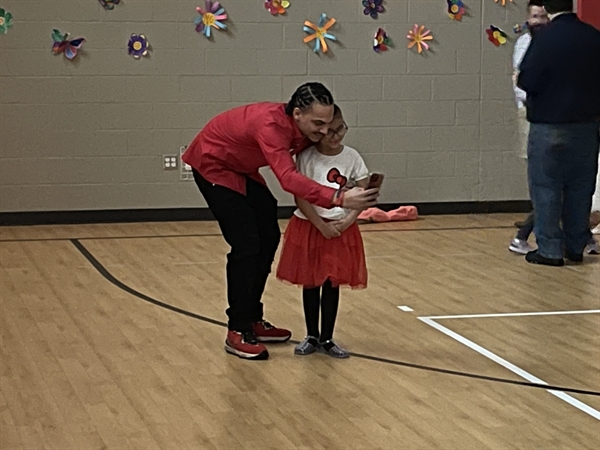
(334, 176)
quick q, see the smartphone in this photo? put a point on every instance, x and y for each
(375, 180)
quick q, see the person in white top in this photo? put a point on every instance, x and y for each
(536, 18)
(322, 248)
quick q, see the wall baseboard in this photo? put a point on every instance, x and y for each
(201, 214)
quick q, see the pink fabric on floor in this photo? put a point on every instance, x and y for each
(396, 215)
(403, 213)
(373, 215)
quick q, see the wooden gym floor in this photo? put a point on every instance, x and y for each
(112, 338)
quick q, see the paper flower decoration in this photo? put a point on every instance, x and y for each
(138, 46)
(373, 8)
(109, 4)
(503, 2)
(456, 9)
(518, 28)
(211, 16)
(496, 36)
(381, 41)
(320, 34)
(417, 36)
(5, 21)
(277, 6)
(62, 44)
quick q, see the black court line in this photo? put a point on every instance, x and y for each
(109, 277)
(363, 230)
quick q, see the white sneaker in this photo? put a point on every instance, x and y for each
(593, 248)
(520, 246)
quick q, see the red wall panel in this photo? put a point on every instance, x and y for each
(589, 11)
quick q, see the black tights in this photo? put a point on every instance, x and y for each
(326, 298)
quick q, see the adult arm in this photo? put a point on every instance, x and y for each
(275, 144)
(521, 47)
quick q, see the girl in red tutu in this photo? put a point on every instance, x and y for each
(322, 248)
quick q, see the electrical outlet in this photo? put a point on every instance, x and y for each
(169, 162)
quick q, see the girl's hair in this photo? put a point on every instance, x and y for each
(308, 94)
(337, 112)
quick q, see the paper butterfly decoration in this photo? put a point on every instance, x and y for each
(417, 36)
(503, 1)
(5, 21)
(63, 44)
(109, 4)
(373, 8)
(381, 41)
(320, 33)
(456, 9)
(211, 16)
(334, 176)
(496, 36)
(276, 7)
(137, 46)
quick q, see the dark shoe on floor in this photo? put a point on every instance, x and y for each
(265, 332)
(535, 258)
(245, 345)
(574, 257)
(307, 346)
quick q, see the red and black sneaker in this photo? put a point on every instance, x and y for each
(245, 345)
(265, 332)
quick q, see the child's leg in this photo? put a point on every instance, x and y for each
(330, 299)
(311, 298)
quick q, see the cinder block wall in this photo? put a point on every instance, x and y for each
(90, 134)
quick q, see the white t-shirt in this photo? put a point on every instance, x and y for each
(519, 51)
(341, 170)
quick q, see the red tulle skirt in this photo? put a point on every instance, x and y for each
(308, 259)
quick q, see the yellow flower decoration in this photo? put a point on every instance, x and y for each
(418, 36)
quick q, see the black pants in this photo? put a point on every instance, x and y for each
(249, 225)
(527, 227)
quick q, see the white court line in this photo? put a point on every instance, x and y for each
(541, 313)
(405, 308)
(517, 370)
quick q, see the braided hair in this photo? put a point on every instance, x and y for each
(308, 94)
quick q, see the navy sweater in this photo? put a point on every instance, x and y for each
(560, 73)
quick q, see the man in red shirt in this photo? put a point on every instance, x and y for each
(225, 157)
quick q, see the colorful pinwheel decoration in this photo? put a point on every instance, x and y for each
(503, 2)
(417, 36)
(496, 36)
(109, 4)
(138, 46)
(456, 9)
(211, 16)
(381, 41)
(62, 44)
(373, 8)
(320, 34)
(276, 7)
(5, 21)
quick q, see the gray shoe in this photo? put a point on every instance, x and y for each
(593, 247)
(307, 346)
(520, 246)
(336, 351)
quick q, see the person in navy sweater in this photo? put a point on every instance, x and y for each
(561, 75)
